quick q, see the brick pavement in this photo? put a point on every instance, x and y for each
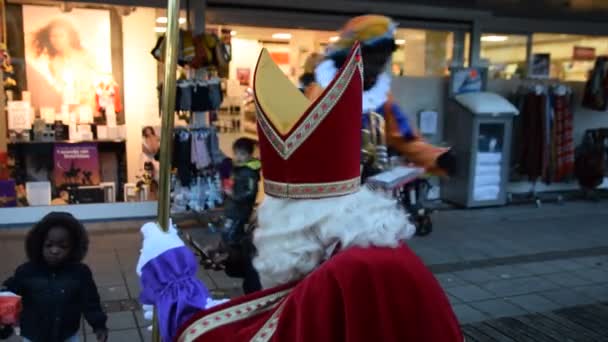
(493, 263)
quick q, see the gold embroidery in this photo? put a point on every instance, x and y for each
(230, 315)
(311, 190)
(265, 334)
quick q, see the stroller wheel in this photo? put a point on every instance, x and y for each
(424, 226)
(207, 264)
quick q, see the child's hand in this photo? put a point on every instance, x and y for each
(102, 335)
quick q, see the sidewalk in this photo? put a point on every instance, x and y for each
(493, 263)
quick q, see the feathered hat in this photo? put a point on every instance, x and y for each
(309, 149)
(366, 29)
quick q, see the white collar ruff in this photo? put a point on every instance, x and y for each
(373, 98)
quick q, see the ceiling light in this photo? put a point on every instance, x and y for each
(233, 33)
(494, 39)
(160, 29)
(333, 39)
(164, 20)
(399, 41)
(284, 36)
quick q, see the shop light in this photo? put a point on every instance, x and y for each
(333, 39)
(164, 20)
(233, 33)
(400, 41)
(494, 39)
(283, 36)
(160, 29)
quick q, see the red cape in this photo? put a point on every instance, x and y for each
(359, 295)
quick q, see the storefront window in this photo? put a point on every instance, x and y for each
(423, 52)
(83, 88)
(504, 54)
(289, 49)
(571, 56)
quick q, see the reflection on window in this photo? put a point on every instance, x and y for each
(423, 52)
(572, 56)
(504, 54)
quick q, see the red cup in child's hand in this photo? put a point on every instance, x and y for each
(10, 308)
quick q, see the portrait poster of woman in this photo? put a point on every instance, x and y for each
(65, 54)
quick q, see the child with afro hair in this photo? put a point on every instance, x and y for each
(56, 287)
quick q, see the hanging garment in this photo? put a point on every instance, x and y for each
(183, 96)
(215, 95)
(548, 135)
(200, 153)
(533, 136)
(186, 51)
(590, 160)
(182, 155)
(200, 97)
(217, 156)
(564, 141)
(596, 89)
(108, 93)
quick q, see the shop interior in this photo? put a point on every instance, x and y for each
(507, 57)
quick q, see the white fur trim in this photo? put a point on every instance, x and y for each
(294, 235)
(325, 72)
(156, 242)
(377, 95)
(373, 98)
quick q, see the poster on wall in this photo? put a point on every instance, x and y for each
(66, 54)
(243, 75)
(581, 53)
(76, 164)
(467, 80)
(280, 54)
(540, 65)
(280, 57)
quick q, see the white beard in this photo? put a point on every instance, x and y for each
(373, 98)
(296, 236)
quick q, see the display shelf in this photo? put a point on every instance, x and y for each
(44, 149)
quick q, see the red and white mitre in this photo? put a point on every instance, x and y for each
(309, 149)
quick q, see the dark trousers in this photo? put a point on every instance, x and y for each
(251, 281)
(241, 252)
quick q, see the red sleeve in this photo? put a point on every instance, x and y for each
(371, 294)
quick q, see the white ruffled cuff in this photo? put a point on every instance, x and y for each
(156, 242)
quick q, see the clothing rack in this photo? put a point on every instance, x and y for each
(546, 150)
(201, 166)
(198, 91)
